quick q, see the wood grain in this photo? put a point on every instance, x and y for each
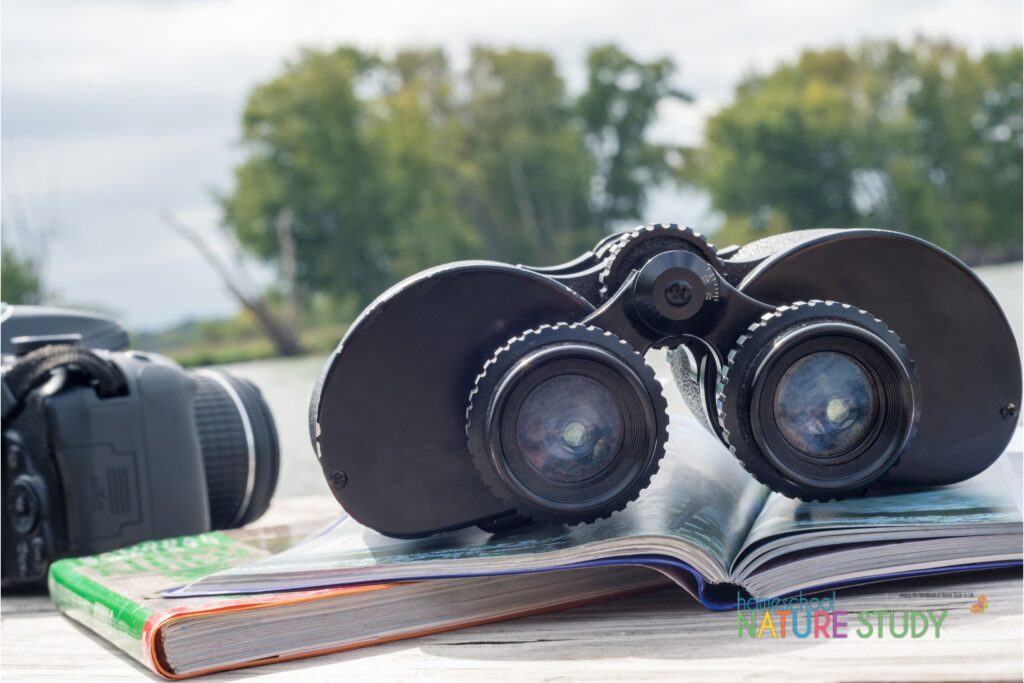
(663, 635)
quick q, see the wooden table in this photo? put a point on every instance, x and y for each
(663, 635)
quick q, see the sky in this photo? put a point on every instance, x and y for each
(113, 111)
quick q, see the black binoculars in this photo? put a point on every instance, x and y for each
(481, 393)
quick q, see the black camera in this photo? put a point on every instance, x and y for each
(825, 360)
(103, 448)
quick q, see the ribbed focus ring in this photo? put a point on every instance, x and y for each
(239, 443)
(494, 452)
(635, 248)
(759, 358)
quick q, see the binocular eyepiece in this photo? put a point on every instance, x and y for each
(480, 393)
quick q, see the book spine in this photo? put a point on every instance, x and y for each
(105, 612)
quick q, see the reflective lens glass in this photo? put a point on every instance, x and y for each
(569, 428)
(824, 403)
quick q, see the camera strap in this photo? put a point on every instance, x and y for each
(37, 366)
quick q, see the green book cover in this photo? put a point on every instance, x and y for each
(117, 594)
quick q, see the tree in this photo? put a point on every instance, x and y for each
(19, 278)
(281, 331)
(309, 151)
(416, 142)
(922, 138)
(389, 166)
(618, 106)
(528, 172)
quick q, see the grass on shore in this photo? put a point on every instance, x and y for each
(322, 339)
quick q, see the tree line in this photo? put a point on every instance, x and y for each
(390, 165)
(359, 168)
(924, 138)
(385, 166)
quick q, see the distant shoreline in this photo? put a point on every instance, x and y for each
(1005, 280)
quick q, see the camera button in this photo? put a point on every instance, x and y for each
(38, 555)
(24, 507)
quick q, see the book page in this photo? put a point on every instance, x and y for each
(991, 497)
(698, 509)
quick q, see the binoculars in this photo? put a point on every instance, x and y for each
(481, 393)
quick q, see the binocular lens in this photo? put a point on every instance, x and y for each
(566, 423)
(825, 404)
(569, 428)
(819, 400)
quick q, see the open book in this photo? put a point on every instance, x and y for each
(703, 522)
(117, 595)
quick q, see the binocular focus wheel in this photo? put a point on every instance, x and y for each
(633, 249)
(614, 432)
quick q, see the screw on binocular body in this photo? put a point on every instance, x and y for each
(1009, 411)
(678, 293)
(338, 479)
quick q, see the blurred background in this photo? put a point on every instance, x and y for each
(236, 180)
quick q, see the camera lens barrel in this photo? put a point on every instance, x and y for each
(239, 445)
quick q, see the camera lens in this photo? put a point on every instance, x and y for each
(567, 424)
(824, 403)
(818, 400)
(569, 428)
(238, 441)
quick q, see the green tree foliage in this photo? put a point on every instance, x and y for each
(527, 167)
(311, 150)
(389, 166)
(922, 138)
(618, 105)
(19, 278)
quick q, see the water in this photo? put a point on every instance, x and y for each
(287, 384)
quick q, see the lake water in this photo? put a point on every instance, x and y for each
(287, 385)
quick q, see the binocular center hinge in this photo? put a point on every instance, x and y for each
(676, 295)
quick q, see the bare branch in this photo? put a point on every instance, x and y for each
(282, 334)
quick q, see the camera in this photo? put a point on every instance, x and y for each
(827, 361)
(105, 447)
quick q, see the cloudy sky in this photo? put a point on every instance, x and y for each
(113, 110)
